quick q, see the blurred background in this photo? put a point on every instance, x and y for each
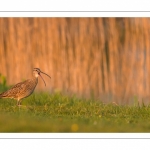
(104, 58)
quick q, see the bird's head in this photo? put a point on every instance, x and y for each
(37, 72)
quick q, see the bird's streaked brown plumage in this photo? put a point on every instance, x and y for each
(25, 88)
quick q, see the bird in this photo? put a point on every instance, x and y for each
(24, 89)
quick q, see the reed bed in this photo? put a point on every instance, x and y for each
(106, 58)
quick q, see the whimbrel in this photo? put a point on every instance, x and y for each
(25, 88)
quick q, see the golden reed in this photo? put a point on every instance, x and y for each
(108, 58)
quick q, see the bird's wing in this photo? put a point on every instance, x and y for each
(12, 92)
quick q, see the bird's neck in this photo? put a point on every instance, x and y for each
(35, 79)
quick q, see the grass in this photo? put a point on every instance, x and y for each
(43, 112)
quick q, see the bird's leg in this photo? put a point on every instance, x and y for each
(19, 102)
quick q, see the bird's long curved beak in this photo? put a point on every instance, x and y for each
(46, 74)
(42, 77)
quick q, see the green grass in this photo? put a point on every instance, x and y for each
(43, 112)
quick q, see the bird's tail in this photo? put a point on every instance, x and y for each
(1, 95)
